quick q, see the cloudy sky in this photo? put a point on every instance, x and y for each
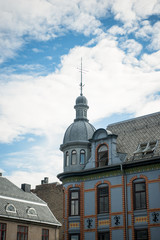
(41, 45)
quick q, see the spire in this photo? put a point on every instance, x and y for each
(81, 106)
(81, 83)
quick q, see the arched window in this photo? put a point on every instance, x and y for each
(103, 198)
(74, 157)
(139, 194)
(31, 211)
(67, 159)
(82, 156)
(102, 156)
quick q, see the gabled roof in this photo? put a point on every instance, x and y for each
(135, 132)
(27, 205)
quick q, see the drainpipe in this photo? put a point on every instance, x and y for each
(125, 199)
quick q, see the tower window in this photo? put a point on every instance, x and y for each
(102, 156)
(82, 156)
(67, 159)
(139, 194)
(74, 157)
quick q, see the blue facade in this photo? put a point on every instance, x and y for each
(110, 197)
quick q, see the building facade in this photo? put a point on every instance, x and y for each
(52, 194)
(111, 179)
(24, 216)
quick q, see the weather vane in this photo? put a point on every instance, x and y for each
(81, 83)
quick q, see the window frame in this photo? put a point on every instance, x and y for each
(74, 153)
(139, 193)
(67, 159)
(3, 230)
(74, 200)
(102, 163)
(103, 233)
(139, 230)
(82, 153)
(21, 233)
(101, 199)
(74, 234)
(45, 234)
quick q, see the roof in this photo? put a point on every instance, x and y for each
(24, 205)
(134, 132)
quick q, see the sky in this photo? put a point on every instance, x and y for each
(41, 46)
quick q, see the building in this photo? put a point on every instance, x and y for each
(111, 178)
(23, 215)
(52, 194)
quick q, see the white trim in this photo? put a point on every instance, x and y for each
(24, 201)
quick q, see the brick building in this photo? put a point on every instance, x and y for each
(52, 193)
(111, 178)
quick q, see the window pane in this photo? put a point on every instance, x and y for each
(142, 234)
(74, 237)
(74, 195)
(137, 199)
(74, 157)
(143, 200)
(140, 187)
(82, 157)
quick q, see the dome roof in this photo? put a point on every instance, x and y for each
(78, 131)
(81, 100)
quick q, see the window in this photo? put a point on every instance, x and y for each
(67, 159)
(103, 199)
(74, 157)
(45, 234)
(10, 208)
(139, 194)
(22, 233)
(74, 202)
(103, 236)
(31, 211)
(102, 156)
(74, 237)
(82, 156)
(2, 231)
(141, 234)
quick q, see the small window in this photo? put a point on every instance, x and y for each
(31, 211)
(2, 231)
(10, 208)
(74, 237)
(82, 157)
(102, 156)
(67, 159)
(103, 199)
(141, 234)
(45, 234)
(22, 233)
(103, 236)
(139, 188)
(74, 203)
(74, 157)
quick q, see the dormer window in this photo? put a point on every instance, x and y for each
(146, 148)
(31, 211)
(74, 157)
(10, 208)
(102, 156)
(82, 156)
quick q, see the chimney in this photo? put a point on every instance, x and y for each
(0, 174)
(26, 187)
(45, 181)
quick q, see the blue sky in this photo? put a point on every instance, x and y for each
(41, 45)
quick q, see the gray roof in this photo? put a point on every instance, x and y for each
(23, 201)
(78, 131)
(133, 132)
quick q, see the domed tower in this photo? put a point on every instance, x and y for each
(76, 145)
